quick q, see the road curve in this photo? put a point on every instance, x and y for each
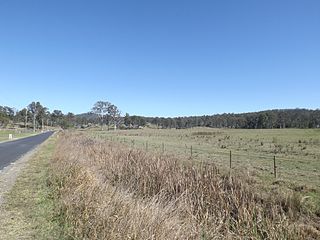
(13, 150)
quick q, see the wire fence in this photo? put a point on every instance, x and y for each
(271, 165)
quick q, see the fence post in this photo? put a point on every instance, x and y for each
(230, 158)
(162, 147)
(274, 167)
(191, 151)
(147, 146)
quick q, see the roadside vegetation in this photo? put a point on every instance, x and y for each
(108, 190)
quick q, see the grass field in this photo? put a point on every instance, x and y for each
(18, 133)
(297, 152)
(109, 190)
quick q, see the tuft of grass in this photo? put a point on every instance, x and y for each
(29, 210)
(109, 191)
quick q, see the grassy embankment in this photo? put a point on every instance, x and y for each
(29, 211)
(111, 191)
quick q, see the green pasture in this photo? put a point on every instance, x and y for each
(297, 152)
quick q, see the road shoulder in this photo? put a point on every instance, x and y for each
(9, 174)
(27, 207)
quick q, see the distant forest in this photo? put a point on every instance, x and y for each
(37, 115)
(285, 118)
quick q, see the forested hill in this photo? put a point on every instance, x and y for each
(279, 118)
(285, 118)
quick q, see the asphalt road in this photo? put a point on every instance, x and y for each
(13, 150)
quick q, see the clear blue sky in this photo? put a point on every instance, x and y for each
(161, 58)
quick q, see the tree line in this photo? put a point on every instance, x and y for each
(104, 113)
(279, 118)
(35, 116)
(284, 118)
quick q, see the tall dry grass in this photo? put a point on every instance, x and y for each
(109, 191)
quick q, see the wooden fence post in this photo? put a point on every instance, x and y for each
(147, 146)
(274, 167)
(191, 151)
(162, 147)
(230, 158)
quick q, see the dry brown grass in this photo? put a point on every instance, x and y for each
(109, 191)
